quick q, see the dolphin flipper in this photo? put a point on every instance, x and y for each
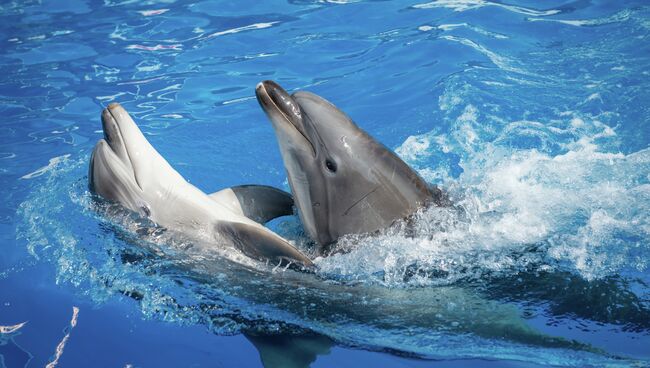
(260, 203)
(263, 245)
(290, 351)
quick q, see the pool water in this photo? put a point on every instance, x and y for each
(533, 117)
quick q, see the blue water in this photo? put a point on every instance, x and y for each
(534, 117)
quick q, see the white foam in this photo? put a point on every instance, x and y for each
(414, 147)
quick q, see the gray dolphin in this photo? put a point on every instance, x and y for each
(343, 180)
(126, 169)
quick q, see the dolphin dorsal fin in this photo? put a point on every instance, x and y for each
(260, 203)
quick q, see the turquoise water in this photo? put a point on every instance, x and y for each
(533, 117)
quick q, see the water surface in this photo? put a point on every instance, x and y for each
(534, 117)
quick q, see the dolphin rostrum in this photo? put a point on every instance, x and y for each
(126, 169)
(343, 180)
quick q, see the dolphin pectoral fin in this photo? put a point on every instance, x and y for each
(260, 203)
(263, 245)
(290, 351)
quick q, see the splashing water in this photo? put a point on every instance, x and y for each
(534, 124)
(517, 214)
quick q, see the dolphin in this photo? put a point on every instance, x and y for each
(343, 180)
(404, 320)
(125, 168)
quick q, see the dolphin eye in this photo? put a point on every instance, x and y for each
(331, 165)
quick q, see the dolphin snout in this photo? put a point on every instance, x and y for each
(280, 106)
(273, 97)
(113, 134)
(109, 126)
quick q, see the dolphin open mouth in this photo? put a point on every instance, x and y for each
(280, 106)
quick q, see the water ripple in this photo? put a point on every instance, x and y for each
(249, 27)
(621, 16)
(498, 60)
(464, 5)
(537, 129)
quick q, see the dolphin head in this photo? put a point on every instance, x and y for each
(343, 180)
(122, 164)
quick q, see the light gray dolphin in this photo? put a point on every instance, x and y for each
(126, 169)
(343, 180)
